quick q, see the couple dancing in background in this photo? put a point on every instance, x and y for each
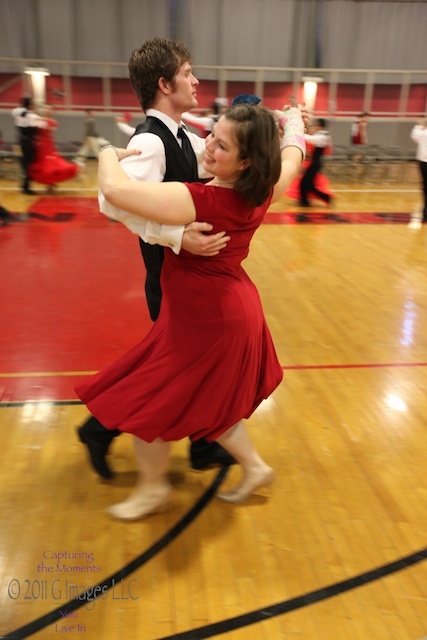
(49, 167)
(311, 182)
(40, 160)
(209, 360)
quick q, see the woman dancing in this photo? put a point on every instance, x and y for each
(209, 360)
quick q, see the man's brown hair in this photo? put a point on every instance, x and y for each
(157, 58)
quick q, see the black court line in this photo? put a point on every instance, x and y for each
(230, 624)
(313, 597)
(44, 621)
(25, 403)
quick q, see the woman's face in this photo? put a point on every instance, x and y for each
(222, 156)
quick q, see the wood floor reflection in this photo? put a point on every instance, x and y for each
(345, 432)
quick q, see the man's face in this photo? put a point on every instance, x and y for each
(184, 93)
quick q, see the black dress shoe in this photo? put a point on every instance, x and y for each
(29, 192)
(97, 452)
(205, 455)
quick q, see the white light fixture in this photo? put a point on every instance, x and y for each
(37, 71)
(310, 90)
(38, 83)
(312, 79)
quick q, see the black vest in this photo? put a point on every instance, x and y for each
(177, 167)
(177, 170)
(317, 155)
(318, 152)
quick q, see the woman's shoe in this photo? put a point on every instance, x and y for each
(140, 505)
(250, 483)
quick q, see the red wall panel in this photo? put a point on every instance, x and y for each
(89, 91)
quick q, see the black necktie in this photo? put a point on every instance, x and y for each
(186, 146)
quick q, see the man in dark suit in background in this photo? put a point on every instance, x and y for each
(27, 122)
(321, 140)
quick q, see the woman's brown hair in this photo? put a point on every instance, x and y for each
(258, 141)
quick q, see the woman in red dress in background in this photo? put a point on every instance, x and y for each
(359, 129)
(49, 167)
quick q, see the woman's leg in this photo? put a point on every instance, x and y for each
(152, 488)
(256, 472)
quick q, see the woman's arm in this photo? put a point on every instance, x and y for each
(293, 152)
(124, 127)
(200, 122)
(291, 163)
(167, 202)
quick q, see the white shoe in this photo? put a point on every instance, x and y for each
(250, 483)
(416, 221)
(139, 504)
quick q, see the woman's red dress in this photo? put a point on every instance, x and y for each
(209, 359)
(49, 167)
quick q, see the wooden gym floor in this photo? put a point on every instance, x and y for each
(336, 549)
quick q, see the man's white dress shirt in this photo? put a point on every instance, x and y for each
(30, 119)
(150, 166)
(419, 135)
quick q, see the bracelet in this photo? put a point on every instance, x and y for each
(109, 146)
